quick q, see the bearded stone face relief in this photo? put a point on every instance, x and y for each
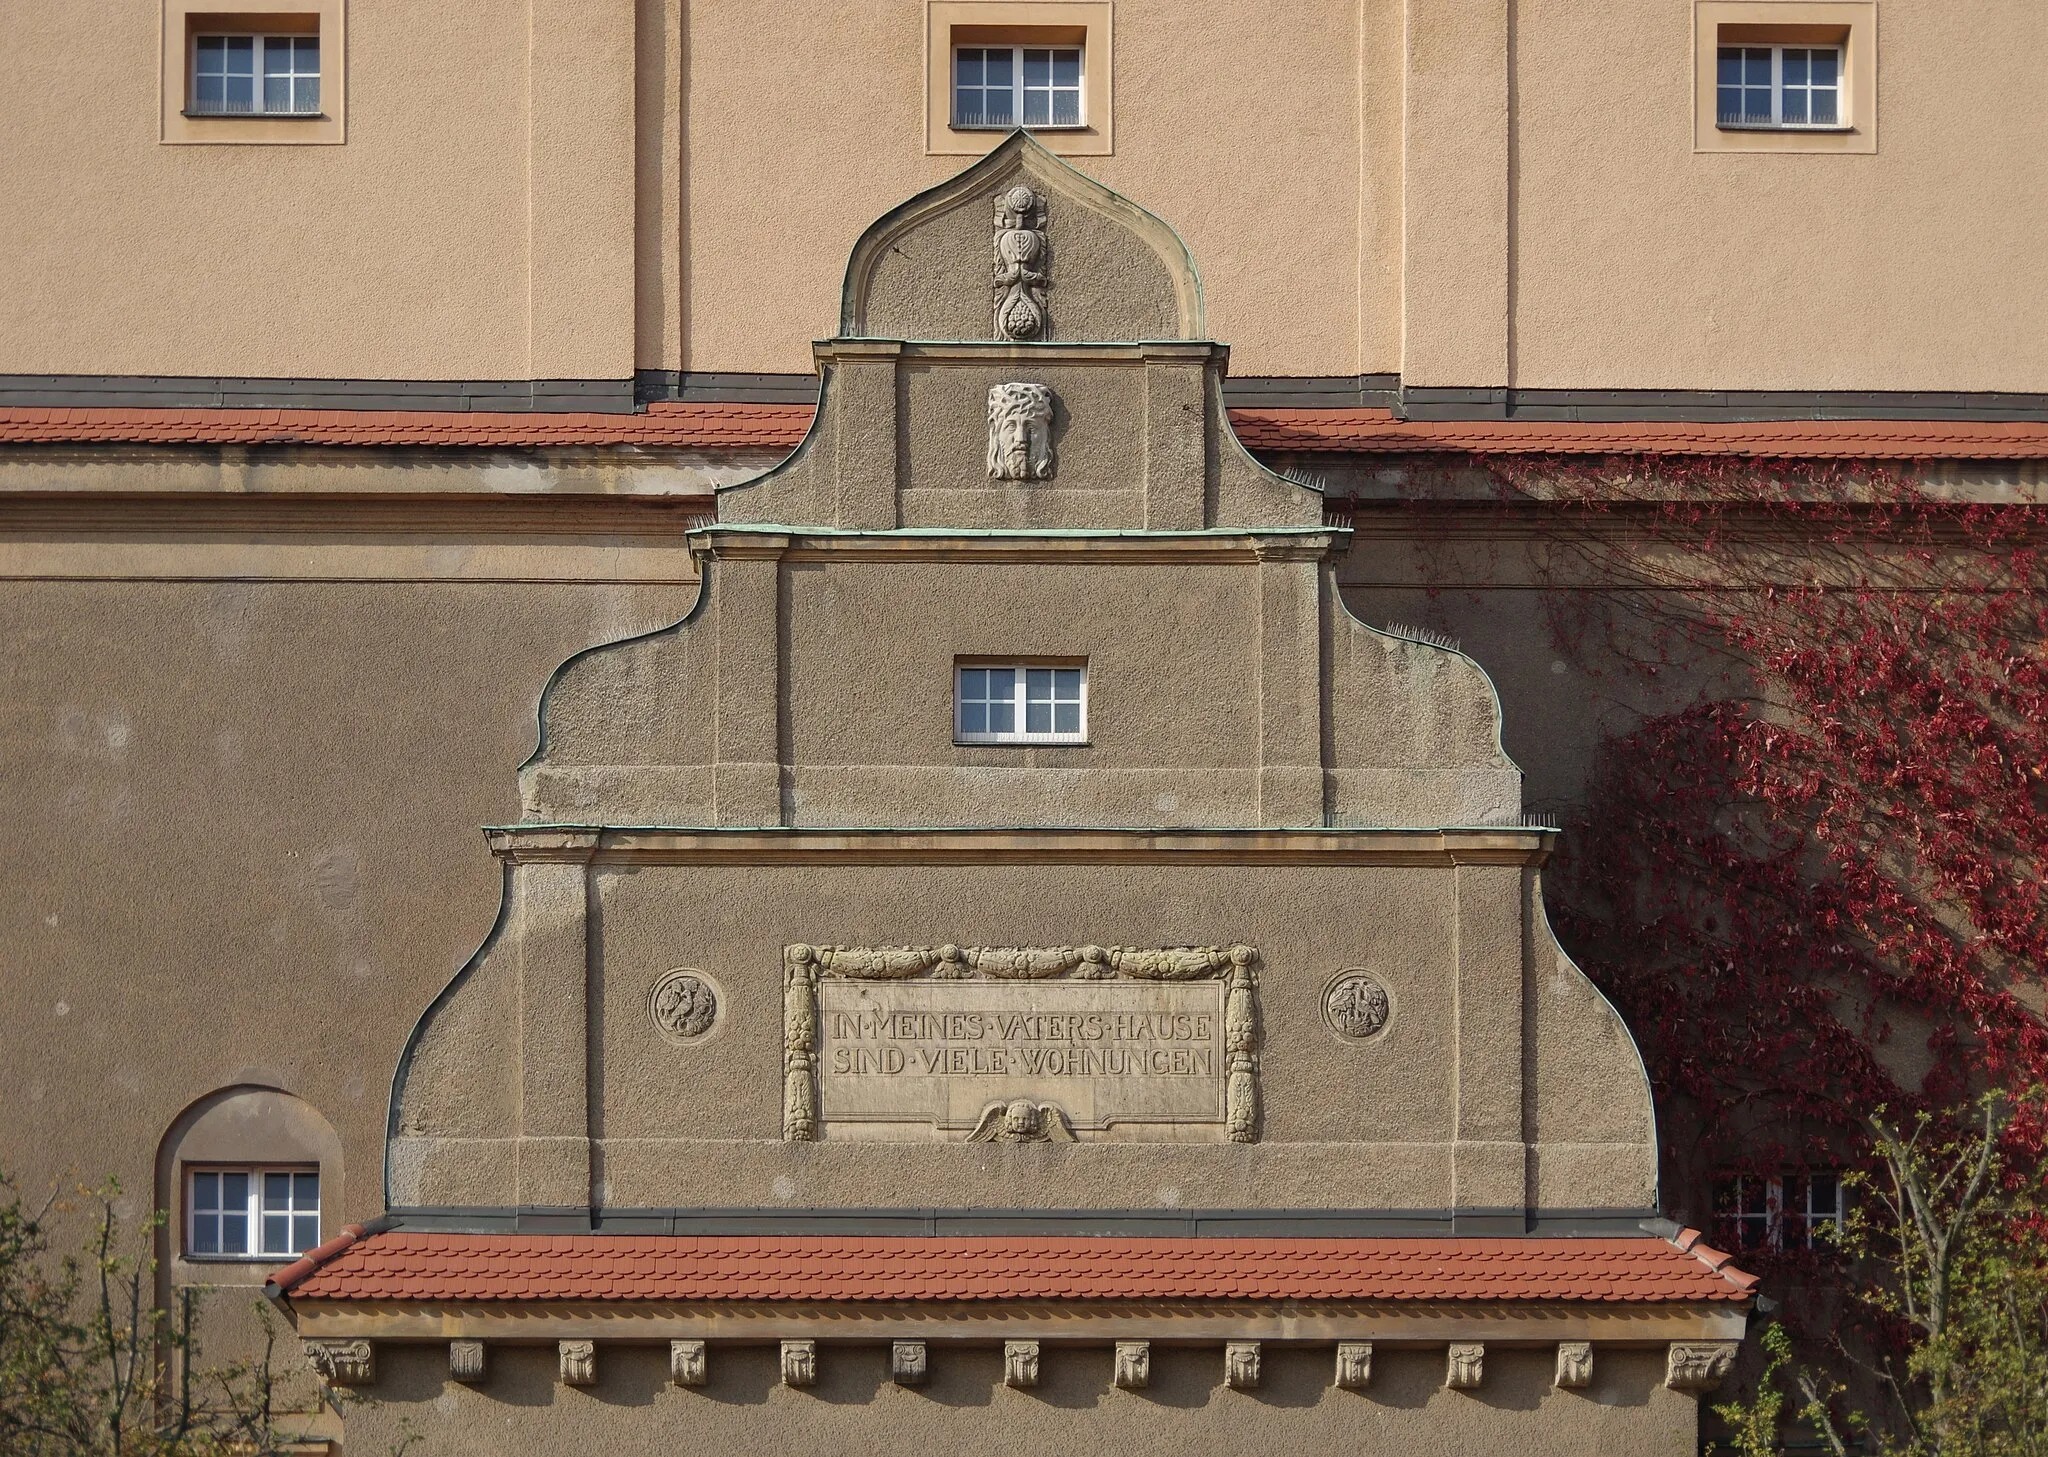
(1020, 433)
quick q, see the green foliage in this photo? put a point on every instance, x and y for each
(1948, 1252)
(90, 1367)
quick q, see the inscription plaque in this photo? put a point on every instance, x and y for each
(1020, 1044)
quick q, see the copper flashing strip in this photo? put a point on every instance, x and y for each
(689, 845)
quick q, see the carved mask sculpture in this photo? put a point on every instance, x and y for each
(1020, 432)
(1020, 265)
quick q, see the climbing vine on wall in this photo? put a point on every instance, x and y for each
(1812, 880)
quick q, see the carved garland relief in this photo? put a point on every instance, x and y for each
(1014, 1045)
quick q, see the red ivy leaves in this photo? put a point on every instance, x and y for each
(1817, 888)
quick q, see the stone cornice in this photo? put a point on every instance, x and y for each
(1292, 543)
(677, 845)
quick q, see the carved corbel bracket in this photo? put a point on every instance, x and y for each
(1133, 1365)
(909, 1363)
(1354, 1365)
(1241, 1365)
(466, 1360)
(688, 1363)
(1699, 1365)
(799, 1363)
(1465, 1366)
(343, 1363)
(1020, 1363)
(1574, 1364)
(577, 1361)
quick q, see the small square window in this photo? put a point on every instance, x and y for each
(1762, 88)
(255, 75)
(1785, 76)
(1020, 703)
(269, 77)
(251, 1213)
(999, 87)
(1787, 1212)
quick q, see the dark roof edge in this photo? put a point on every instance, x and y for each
(1361, 391)
(1112, 1223)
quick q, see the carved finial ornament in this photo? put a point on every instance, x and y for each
(1022, 265)
(1020, 432)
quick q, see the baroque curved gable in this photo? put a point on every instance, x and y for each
(925, 269)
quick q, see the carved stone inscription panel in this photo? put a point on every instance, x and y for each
(939, 1054)
(1021, 1044)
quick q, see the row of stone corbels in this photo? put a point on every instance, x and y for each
(1689, 1365)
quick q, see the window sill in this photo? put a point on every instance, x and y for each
(1022, 744)
(1011, 126)
(278, 1260)
(1797, 130)
(255, 116)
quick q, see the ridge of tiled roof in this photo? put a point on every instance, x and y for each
(737, 426)
(402, 1264)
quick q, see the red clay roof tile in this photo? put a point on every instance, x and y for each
(405, 1265)
(678, 425)
(1378, 432)
(702, 426)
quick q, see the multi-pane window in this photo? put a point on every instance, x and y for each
(1779, 86)
(1020, 704)
(1792, 1212)
(256, 75)
(1006, 86)
(251, 1213)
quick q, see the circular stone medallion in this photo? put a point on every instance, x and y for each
(684, 1006)
(1356, 1005)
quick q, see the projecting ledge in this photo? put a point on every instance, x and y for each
(691, 845)
(1084, 1323)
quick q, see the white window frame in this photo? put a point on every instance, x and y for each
(259, 42)
(1771, 1219)
(1776, 121)
(1079, 88)
(1018, 700)
(253, 1211)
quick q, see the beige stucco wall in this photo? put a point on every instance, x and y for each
(1186, 1409)
(459, 233)
(242, 844)
(1471, 193)
(1640, 263)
